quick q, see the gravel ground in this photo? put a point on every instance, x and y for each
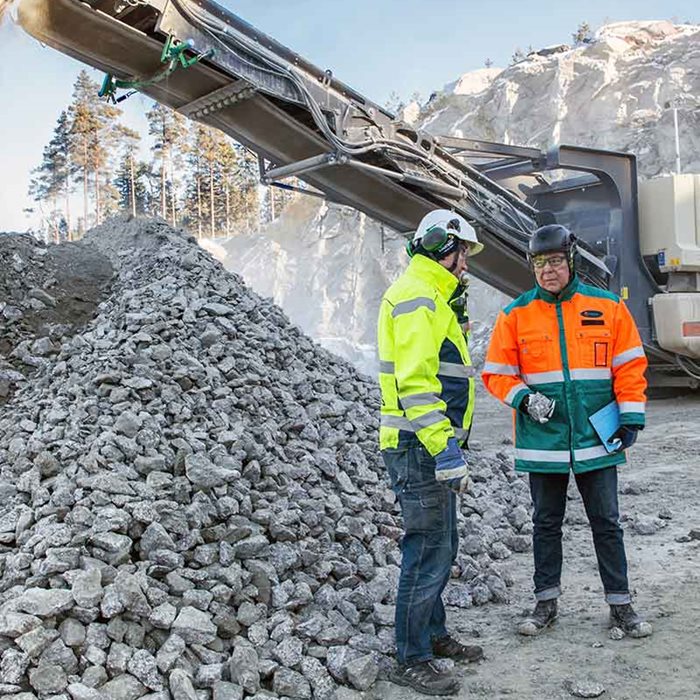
(660, 497)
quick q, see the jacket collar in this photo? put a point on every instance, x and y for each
(564, 295)
(434, 273)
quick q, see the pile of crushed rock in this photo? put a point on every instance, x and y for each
(192, 504)
(45, 295)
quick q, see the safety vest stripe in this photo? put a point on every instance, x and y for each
(542, 455)
(631, 406)
(627, 356)
(576, 375)
(586, 374)
(446, 369)
(425, 421)
(544, 377)
(415, 425)
(584, 453)
(454, 369)
(416, 400)
(498, 368)
(398, 422)
(402, 423)
(580, 455)
(406, 307)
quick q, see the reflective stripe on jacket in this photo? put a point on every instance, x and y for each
(425, 372)
(581, 349)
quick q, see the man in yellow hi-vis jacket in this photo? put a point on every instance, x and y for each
(427, 386)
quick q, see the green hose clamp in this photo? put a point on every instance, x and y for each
(173, 56)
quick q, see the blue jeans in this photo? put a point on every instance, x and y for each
(598, 489)
(428, 549)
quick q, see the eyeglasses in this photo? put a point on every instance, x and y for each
(554, 261)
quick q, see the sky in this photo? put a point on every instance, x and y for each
(376, 46)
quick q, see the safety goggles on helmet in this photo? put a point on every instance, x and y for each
(443, 238)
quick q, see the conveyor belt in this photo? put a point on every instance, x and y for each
(308, 124)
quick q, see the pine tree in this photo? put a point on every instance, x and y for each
(221, 195)
(169, 131)
(239, 178)
(202, 205)
(177, 163)
(247, 204)
(92, 137)
(130, 187)
(194, 166)
(228, 170)
(209, 157)
(83, 124)
(105, 148)
(517, 56)
(583, 34)
(109, 194)
(51, 179)
(44, 190)
(60, 145)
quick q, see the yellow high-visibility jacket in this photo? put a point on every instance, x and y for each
(425, 371)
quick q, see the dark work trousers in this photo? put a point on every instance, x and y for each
(598, 488)
(428, 549)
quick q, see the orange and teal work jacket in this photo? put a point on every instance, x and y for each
(425, 372)
(583, 350)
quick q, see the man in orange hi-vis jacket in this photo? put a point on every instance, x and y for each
(558, 354)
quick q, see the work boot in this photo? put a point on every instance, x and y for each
(624, 617)
(425, 678)
(542, 616)
(448, 647)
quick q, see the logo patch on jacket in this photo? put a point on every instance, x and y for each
(592, 317)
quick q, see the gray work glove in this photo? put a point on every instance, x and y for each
(538, 407)
(451, 467)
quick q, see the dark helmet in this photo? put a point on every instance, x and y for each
(553, 238)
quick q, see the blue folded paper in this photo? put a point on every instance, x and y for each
(606, 422)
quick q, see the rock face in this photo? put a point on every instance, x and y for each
(342, 261)
(609, 94)
(193, 501)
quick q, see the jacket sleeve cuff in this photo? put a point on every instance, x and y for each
(632, 418)
(518, 397)
(632, 412)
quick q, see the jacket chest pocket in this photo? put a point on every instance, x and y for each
(595, 347)
(535, 350)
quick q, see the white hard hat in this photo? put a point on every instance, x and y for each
(452, 224)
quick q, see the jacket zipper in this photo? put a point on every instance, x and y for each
(567, 379)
